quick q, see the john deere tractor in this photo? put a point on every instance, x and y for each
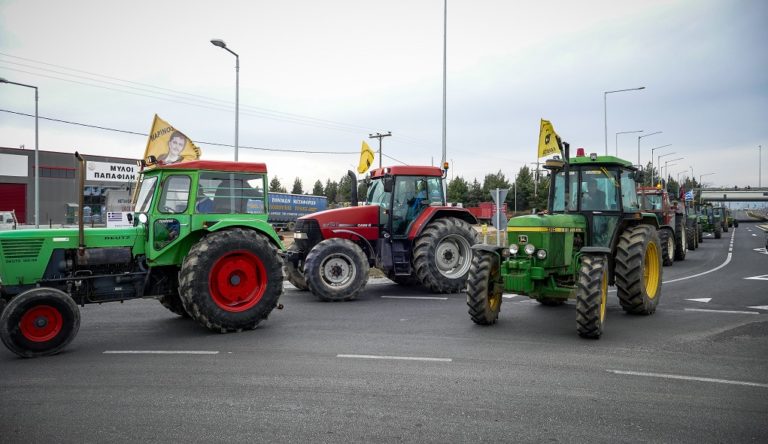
(710, 220)
(592, 235)
(200, 243)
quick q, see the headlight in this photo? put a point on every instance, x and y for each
(300, 236)
(529, 249)
(514, 249)
(541, 254)
(143, 218)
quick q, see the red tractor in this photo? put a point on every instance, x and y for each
(405, 230)
(672, 222)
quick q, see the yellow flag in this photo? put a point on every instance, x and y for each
(169, 145)
(547, 139)
(366, 158)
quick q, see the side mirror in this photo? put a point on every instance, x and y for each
(389, 183)
(129, 216)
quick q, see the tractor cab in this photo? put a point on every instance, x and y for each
(191, 198)
(599, 188)
(402, 193)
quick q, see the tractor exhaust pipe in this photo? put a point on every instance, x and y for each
(565, 148)
(80, 203)
(353, 187)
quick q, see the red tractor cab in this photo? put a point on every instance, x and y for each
(672, 222)
(405, 229)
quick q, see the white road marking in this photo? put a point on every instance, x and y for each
(722, 311)
(161, 352)
(509, 296)
(689, 378)
(700, 299)
(759, 307)
(426, 298)
(753, 234)
(727, 261)
(396, 358)
(763, 277)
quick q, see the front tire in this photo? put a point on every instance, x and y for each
(591, 296)
(442, 255)
(336, 270)
(174, 304)
(638, 270)
(718, 231)
(39, 322)
(690, 234)
(231, 280)
(295, 274)
(484, 289)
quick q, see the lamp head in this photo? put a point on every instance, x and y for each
(219, 42)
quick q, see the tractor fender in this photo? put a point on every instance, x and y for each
(489, 248)
(431, 213)
(255, 225)
(359, 236)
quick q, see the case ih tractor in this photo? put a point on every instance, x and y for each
(200, 243)
(672, 222)
(592, 235)
(406, 231)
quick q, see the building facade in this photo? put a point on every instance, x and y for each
(109, 184)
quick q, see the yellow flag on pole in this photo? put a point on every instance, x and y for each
(169, 145)
(547, 139)
(366, 158)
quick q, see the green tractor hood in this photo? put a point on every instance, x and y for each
(552, 232)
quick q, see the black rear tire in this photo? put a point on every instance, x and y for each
(295, 274)
(591, 296)
(718, 231)
(638, 270)
(336, 270)
(231, 280)
(484, 289)
(442, 255)
(39, 322)
(667, 239)
(690, 234)
(681, 238)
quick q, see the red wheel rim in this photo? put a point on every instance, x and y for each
(41, 323)
(237, 281)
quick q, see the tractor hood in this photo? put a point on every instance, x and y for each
(548, 223)
(345, 217)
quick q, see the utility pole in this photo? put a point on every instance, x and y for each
(379, 136)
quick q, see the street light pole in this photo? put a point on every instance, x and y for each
(617, 138)
(220, 43)
(760, 168)
(37, 151)
(605, 110)
(701, 184)
(658, 161)
(652, 150)
(666, 170)
(638, 147)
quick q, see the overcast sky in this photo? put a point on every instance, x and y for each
(321, 75)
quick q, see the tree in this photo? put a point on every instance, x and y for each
(345, 189)
(475, 194)
(524, 184)
(298, 188)
(331, 188)
(493, 181)
(317, 190)
(275, 186)
(458, 190)
(362, 191)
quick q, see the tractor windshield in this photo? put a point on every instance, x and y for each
(557, 202)
(599, 190)
(377, 195)
(653, 202)
(144, 196)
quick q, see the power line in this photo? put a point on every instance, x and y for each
(286, 150)
(176, 96)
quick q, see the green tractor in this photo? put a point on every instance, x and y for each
(710, 220)
(592, 235)
(200, 243)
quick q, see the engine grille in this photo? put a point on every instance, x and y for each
(21, 248)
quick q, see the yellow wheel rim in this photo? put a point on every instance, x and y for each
(603, 295)
(651, 270)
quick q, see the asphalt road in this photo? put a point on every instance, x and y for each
(388, 369)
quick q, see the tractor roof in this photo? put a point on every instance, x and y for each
(216, 165)
(601, 160)
(407, 170)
